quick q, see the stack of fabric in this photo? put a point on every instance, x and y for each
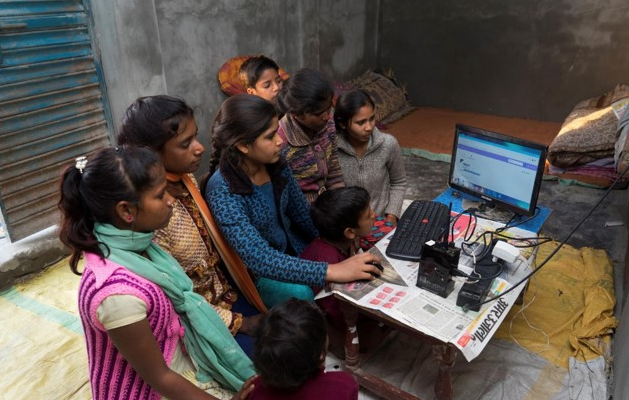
(589, 145)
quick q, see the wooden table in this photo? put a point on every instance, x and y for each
(445, 354)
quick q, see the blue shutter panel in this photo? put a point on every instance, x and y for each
(51, 106)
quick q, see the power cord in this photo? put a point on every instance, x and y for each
(528, 323)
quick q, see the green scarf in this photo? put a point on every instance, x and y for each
(206, 337)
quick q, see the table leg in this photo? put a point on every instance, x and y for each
(352, 345)
(445, 355)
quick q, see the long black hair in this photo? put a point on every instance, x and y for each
(151, 121)
(240, 120)
(347, 105)
(89, 196)
(306, 91)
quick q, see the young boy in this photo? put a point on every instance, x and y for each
(289, 356)
(260, 76)
(342, 216)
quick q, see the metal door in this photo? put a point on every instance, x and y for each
(52, 107)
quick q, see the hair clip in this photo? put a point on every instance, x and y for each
(81, 162)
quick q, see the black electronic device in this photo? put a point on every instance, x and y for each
(377, 265)
(435, 268)
(474, 292)
(497, 169)
(421, 222)
(434, 277)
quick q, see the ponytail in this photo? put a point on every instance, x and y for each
(77, 223)
(90, 191)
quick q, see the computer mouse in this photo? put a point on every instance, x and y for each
(377, 265)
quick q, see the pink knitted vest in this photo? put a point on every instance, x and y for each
(111, 377)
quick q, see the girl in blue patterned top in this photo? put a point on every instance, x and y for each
(261, 209)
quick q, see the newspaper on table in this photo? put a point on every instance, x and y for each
(395, 293)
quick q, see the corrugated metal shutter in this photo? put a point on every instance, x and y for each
(51, 106)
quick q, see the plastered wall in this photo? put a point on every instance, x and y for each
(533, 59)
(178, 47)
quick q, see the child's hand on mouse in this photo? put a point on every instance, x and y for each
(358, 267)
(377, 265)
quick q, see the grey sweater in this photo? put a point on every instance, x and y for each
(380, 171)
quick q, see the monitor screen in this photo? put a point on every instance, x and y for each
(500, 170)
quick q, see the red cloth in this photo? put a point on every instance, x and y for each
(326, 385)
(320, 250)
(379, 229)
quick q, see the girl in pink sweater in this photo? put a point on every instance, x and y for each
(144, 326)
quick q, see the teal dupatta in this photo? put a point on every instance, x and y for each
(206, 338)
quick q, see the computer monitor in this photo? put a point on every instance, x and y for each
(500, 170)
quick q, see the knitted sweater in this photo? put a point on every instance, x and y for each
(111, 376)
(380, 171)
(241, 211)
(314, 161)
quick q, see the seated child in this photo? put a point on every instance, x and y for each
(290, 350)
(342, 216)
(260, 76)
(167, 125)
(308, 132)
(145, 329)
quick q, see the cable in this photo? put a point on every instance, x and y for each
(539, 267)
(467, 235)
(528, 323)
(507, 226)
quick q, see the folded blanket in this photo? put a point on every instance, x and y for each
(599, 174)
(589, 132)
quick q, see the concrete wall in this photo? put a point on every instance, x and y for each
(127, 40)
(198, 37)
(178, 47)
(533, 59)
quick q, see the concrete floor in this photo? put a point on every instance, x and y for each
(569, 205)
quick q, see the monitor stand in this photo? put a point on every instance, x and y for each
(488, 211)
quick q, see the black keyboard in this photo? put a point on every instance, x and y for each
(422, 221)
